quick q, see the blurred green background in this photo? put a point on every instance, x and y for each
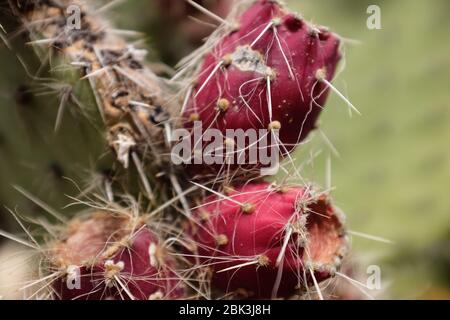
(392, 174)
(394, 163)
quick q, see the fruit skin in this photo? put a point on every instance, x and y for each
(254, 229)
(244, 70)
(145, 276)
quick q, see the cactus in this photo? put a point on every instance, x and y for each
(117, 257)
(268, 70)
(269, 241)
(152, 233)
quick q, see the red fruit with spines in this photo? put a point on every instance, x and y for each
(113, 257)
(179, 15)
(268, 240)
(269, 42)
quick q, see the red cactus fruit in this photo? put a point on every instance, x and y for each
(269, 242)
(265, 73)
(112, 256)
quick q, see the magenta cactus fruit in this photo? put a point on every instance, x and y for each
(266, 72)
(111, 256)
(267, 241)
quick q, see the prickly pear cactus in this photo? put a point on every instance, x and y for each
(266, 69)
(151, 228)
(269, 232)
